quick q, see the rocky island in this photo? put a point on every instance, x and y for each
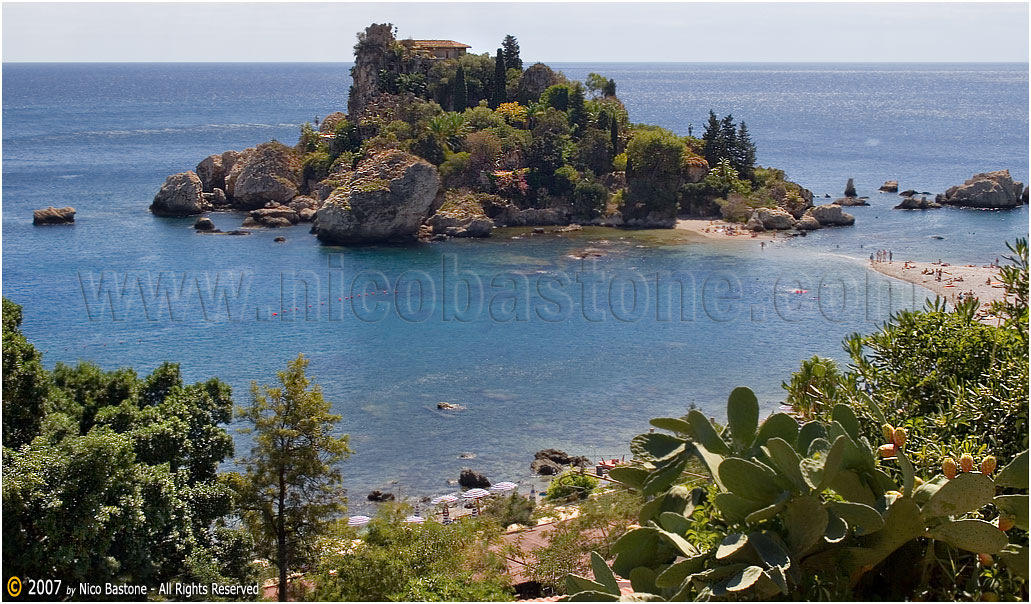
(437, 142)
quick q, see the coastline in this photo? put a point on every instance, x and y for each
(982, 282)
(719, 229)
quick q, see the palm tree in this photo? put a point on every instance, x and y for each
(533, 109)
(448, 128)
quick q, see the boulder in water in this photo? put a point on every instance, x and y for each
(470, 479)
(890, 186)
(204, 224)
(831, 215)
(51, 215)
(992, 190)
(912, 203)
(850, 189)
(181, 195)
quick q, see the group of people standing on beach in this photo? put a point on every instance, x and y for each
(881, 256)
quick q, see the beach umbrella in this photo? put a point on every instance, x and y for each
(414, 520)
(504, 487)
(445, 501)
(476, 495)
(358, 520)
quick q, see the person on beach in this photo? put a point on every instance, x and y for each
(871, 258)
(889, 256)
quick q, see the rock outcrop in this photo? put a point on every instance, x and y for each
(808, 223)
(994, 190)
(181, 195)
(388, 197)
(211, 173)
(371, 55)
(472, 480)
(272, 173)
(830, 214)
(890, 186)
(535, 80)
(461, 215)
(330, 122)
(204, 224)
(912, 203)
(273, 216)
(51, 215)
(850, 189)
(774, 219)
(851, 201)
(379, 496)
(545, 467)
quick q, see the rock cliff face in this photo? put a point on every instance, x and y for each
(181, 195)
(370, 56)
(272, 173)
(986, 190)
(387, 199)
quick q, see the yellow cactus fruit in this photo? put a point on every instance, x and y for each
(887, 451)
(985, 560)
(1006, 522)
(988, 465)
(949, 468)
(888, 431)
(966, 462)
(899, 437)
(895, 493)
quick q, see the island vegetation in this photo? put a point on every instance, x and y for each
(517, 146)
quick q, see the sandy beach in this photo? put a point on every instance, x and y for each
(955, 281)
(719, 229)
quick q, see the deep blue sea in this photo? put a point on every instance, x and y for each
(548, 351)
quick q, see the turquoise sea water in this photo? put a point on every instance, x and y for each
(549, 351)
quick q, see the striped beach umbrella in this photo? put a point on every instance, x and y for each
(358, 520)
(504, 487)
(476, 495)
(445, 502)
(414, 520)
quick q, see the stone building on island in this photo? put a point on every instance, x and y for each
(436, 49)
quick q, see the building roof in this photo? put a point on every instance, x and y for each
(434, 44)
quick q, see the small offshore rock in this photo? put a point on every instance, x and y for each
(280, 240)
(912, 203)
(466, 455)
(990, 190)
(449, 406)
(890, 186)
(51, 215)
(851, 201)
(909, 193)
(204, 224)
(380, 496)
(545, 467)
(831, 215)
(470, 479)
(850, 189)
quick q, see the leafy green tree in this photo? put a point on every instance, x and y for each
(499, 95)
(120, 484)
(510, 49)
(556, 96)
(595, 84)
(609, 89)
(291, 488)
(459, 93)
(593, 152)
(26, 383)
(1014, 276)
(309, 141)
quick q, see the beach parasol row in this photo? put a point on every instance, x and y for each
(445, 501)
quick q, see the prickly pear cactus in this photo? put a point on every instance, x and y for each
(801, 500)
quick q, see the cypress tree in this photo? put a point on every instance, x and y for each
(460, 94)
(511, 52)
(499, 81)
(744, 152)
(614, 135)
(714, 149)
(603, 120)
(577, 112)
(610, 88)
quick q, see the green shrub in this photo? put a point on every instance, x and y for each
(454, 171)
(565, 179)
(619, 162)
(589, 199)
(571, 485)
(316, 166)
(514, 509)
